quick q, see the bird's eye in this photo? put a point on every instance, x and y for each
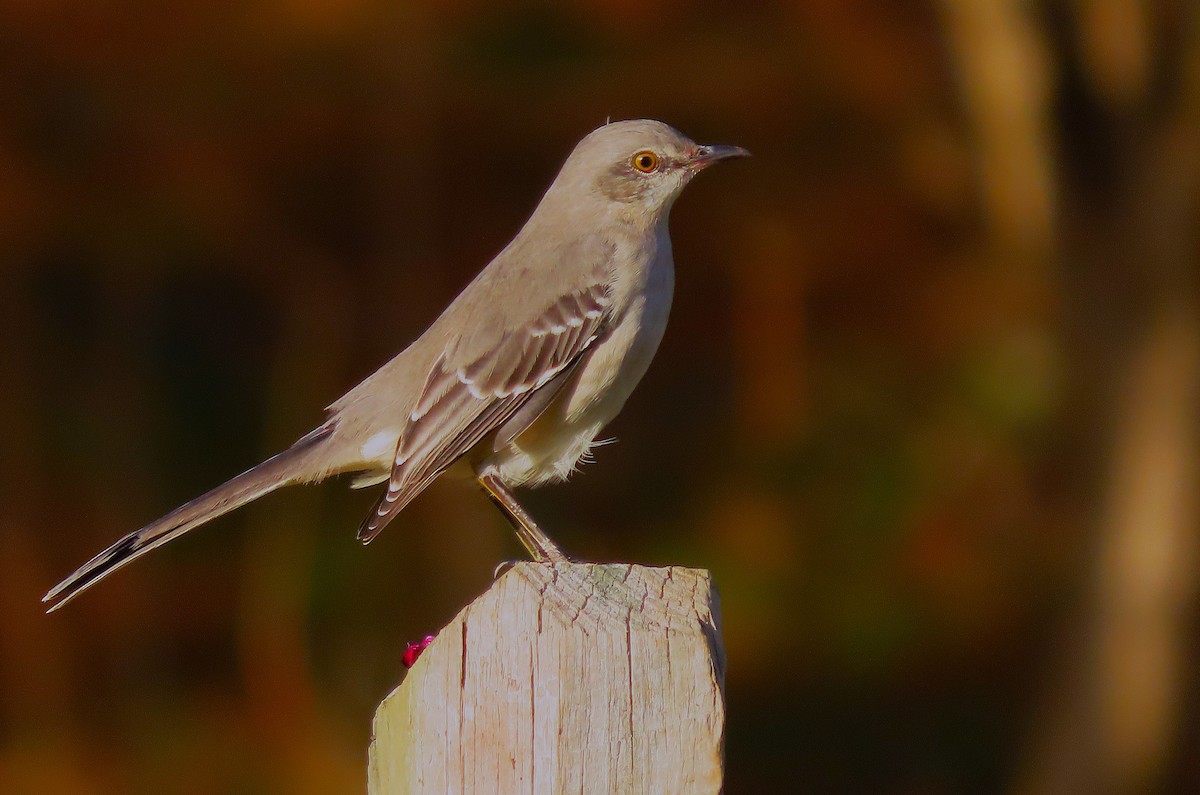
(645, 161)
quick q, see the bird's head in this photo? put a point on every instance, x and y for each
(642, 164)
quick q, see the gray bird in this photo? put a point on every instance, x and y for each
(516, 379)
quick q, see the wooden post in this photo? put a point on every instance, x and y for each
(573, 677)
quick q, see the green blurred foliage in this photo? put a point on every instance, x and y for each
(214, 218)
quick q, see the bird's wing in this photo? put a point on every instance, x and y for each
(467, 397)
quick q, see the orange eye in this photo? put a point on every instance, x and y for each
(645, 161)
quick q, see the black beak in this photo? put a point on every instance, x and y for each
(707, 155)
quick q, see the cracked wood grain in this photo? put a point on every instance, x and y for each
(572, 677)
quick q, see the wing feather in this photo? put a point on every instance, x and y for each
(462, 402)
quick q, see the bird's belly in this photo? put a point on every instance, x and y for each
(552, 447)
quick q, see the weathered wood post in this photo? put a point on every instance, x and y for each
(573, 677)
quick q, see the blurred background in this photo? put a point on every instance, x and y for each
(927, 406)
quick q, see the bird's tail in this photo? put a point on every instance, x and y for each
(293, 465)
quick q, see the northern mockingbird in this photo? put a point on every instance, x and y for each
(515, 380)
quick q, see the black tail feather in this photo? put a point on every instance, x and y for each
(290, 466)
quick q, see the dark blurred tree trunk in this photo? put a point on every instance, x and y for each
(1130, 138)
(1114, 87)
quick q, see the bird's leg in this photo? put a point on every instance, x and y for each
(532, 537)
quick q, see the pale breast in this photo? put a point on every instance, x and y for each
(552, 447)
(612, 371)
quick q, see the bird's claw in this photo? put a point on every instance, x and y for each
(502, 567)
